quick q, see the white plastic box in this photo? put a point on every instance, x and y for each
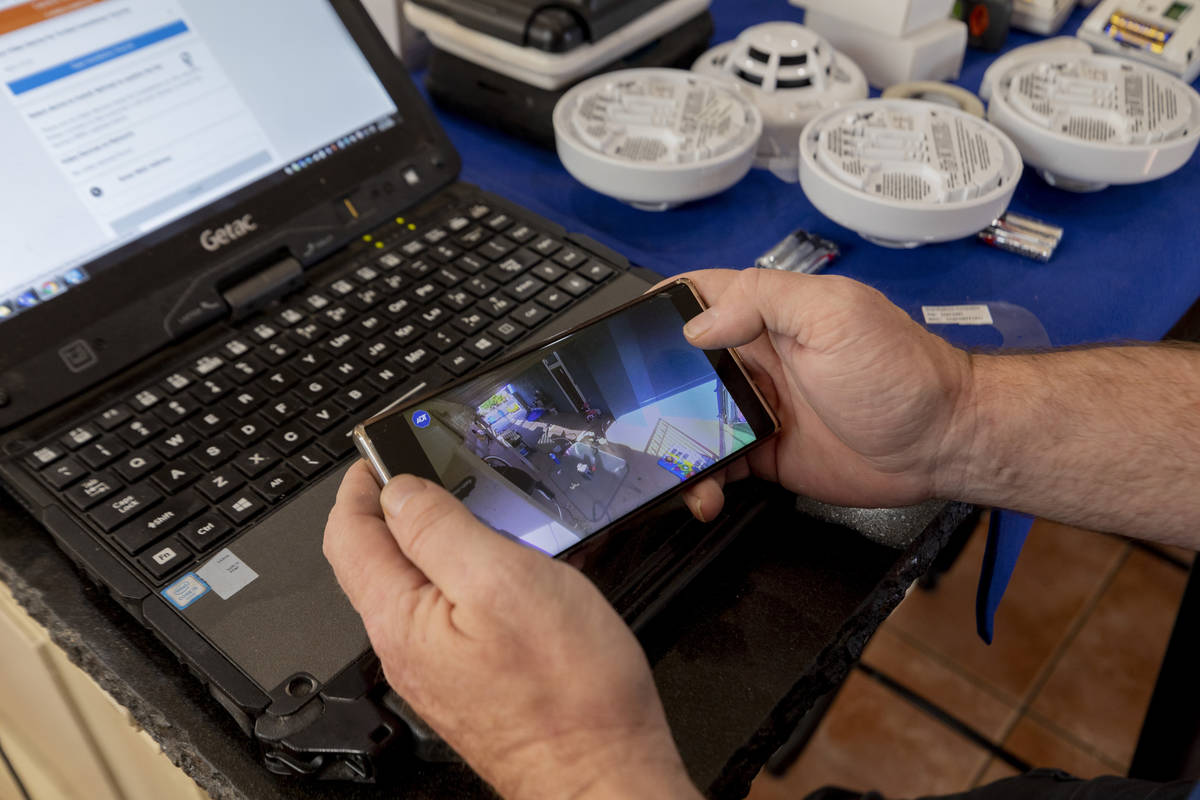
(889, 17)
(933, 53)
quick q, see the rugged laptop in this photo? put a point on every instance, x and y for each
(228, 232)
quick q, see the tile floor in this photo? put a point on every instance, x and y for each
(1079, 639)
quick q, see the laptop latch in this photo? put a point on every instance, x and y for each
(258, 290)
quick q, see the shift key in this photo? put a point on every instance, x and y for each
(124, 507)
(166, 517)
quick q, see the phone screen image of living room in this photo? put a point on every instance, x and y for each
(555, 446)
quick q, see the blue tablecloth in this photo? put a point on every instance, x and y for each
(1127, 267)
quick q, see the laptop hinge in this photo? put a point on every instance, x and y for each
(261, 288)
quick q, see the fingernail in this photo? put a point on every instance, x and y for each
(699, 324)
(698, 510)
(398, 492)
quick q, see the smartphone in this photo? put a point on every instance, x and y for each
(557, 444)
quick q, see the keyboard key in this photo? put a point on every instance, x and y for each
(93, 489)
(210, 389)
(113, 513)
(575, 284)
(444, 253)
(214, 452)
(384, 378)
(531, 315)
(596, 271)
(417, 358)
(176, 476)
(64, 473)
(434, 236)
(433, 316)
(371, 325)
(44, 455)
(405, 334)
(507, 331)
(101, 452)
(341, 343)
(484, 346)
(242, 507)
(141, 533)
(112, 417)
(419, 268)
(398, 309)
(311, 461)
(521, 234)
(315, 389)
(413, 248)
(496, 248)
(306, 334)
(280, 380)
(263, 332)
(206, 365)
(235, 348)
(377, 351)
(292, 438)
(365, 299)
(526, 288)
(456, 224)
(500, 222)
(136, 465)
(220, 484)
(310, 362)
(246, 369)
(257, 461)
(176, 382)
(448, 277)
(248, 431)
(497, 305)
(337, 443)
(478, 211)
(176, 410)
(548, 272)
(506, 270)
(471, 264)
(547, 246)
(554, 299)
(353, 398)
(168, 556)
(203, 533)
(341, 287)
(480, 287)
(79, 436)
(277, 484)
(211, 421)
(289, 317)
(281, 409)
(474, 237)
(146, 399)
(426, 291)
(277, 352)
(470, 323)
(569, 257)
(366, 273)
(175, 444)
(459, 363)
(389, 284)
(139, 431)
(316, 301)
(335, 316)
(444, 340)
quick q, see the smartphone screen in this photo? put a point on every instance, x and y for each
(557, 444)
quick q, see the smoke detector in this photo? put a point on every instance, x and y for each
(903, 173)
(1043, 17)
(1090, 121)
(656, 138)
(1059, 47)
(792, 74)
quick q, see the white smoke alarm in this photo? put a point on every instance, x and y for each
(1089, 121)
(656, 138)
(1043, 17)
(903, 173)
(792, 74)
(1044, 50)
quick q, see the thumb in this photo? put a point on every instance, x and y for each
(744, 305)
(457, 552)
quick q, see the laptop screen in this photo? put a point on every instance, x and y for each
(118, 117)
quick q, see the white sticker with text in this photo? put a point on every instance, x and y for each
(226, 574)
(957, 315)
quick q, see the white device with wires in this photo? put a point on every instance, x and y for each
(1043, 17)
(903, 173)
(1161, 33)
(1090, 121)
(656, 138)
(792, 74)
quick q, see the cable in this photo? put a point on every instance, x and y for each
(13, 772)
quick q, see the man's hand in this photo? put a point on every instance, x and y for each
(514, 658)
(867, 397)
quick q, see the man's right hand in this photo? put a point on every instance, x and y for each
(870, 401)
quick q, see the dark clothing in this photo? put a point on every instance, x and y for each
(1049, 784)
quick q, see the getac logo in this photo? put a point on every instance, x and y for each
(213, 240)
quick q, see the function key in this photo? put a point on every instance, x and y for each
(137, 464)
(547, 246)
(204, 532)
(554, 299)
(113, 513)
(235, 348)
(499, 222)
(101, 452)
(176, 409)
(435, 235)
(413, 248)
(92, 490)
(79, 436)
(389, 261)
(176, 382)
(44, 455)
(165, 558)
(242, 507)
(316, 301)
(289, 317)
(112, 417)
(575, 284)
(531, 315)
(139, 431)
(456, 224)
(146, 399)
(596, 271)
(263, 332)
(341, 287)
(140, 534)
(64, 473)
(206, 365)
(569, 257)
(478, 211)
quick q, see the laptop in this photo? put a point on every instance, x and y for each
(228, 232)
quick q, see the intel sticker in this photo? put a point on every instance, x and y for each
(421, 419)
(185, 591)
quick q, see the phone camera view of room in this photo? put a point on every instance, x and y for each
(559, 444)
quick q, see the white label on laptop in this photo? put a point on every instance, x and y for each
(227, 574)
(957, 315)
(185, 591)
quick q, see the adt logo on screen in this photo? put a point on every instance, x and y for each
(421, 419)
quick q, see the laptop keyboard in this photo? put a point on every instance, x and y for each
(186, 461)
